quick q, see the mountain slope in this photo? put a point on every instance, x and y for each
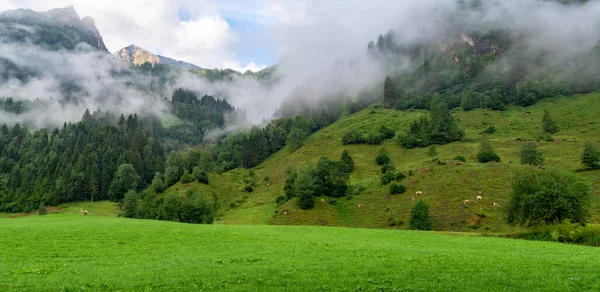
(53, 29)
(444, 187)
(138, 56)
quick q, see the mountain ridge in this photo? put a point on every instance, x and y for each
(137, 56)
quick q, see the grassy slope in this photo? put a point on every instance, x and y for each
(445, 187)
(74, 252)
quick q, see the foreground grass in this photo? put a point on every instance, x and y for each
(73, 252)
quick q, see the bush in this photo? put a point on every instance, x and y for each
(486, 152)
(400, 176)
(546, 196)
(386, 178)
(419, 217)
(388, 167)
(353, 137)
(200, 175)
(490, 130)
(186, 179)
(460, 158)
(280, 200)
(383, 157)
(386, 133)
(248, 188)
(410, 172)
(42, 210)
(373, 139)
(565, 232)
(396, 188)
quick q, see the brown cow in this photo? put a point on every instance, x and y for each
(496, 204)
(360, 205)
(467, 201)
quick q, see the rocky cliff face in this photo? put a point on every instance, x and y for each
(53, 29)
(136, 55)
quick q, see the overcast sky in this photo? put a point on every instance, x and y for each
(239, 34)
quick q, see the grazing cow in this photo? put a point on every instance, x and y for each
(284, 212)
(413, 198)
(322, 200)
(481, 192)
(254, 211)
(418, 193)
(479, 198)
(496, 204)
(360, 205)
(84, 212)
(467, 201)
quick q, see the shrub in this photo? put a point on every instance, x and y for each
(187, 178)
(383, 157)
(248, 188)
(419, 217)
(460, 158)
(388, 167)
(267, 178)
(544, 197)
(200, 175)
(280, 200)
(410, 172)
(352, 137)
(490, 130)
(42, 210)
(386, 178)
(432, 151)
(565, 232)
(400, 176)
(373, 139)
(386, 133)
(396, 188)
(486, 152)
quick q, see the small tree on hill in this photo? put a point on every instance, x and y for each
(348, 161)
(548, 124)
(590, 156)
(383, 157)
(419, 217)
(531, 155)
(389, 92)
(304, 187)
(431, 151)
(544, 197)
(486, 152)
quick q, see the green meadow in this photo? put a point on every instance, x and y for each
(72, 252)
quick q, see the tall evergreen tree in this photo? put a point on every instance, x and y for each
(548, 124)
(389, 93)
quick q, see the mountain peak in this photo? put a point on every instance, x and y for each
(136, 55)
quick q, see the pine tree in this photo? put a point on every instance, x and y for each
(590, 156)
(548, 124)
(389, 93)
(531, 155)
(348, 161)
(419, 217)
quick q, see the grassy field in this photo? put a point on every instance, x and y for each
(444, 187)
(71, 252)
